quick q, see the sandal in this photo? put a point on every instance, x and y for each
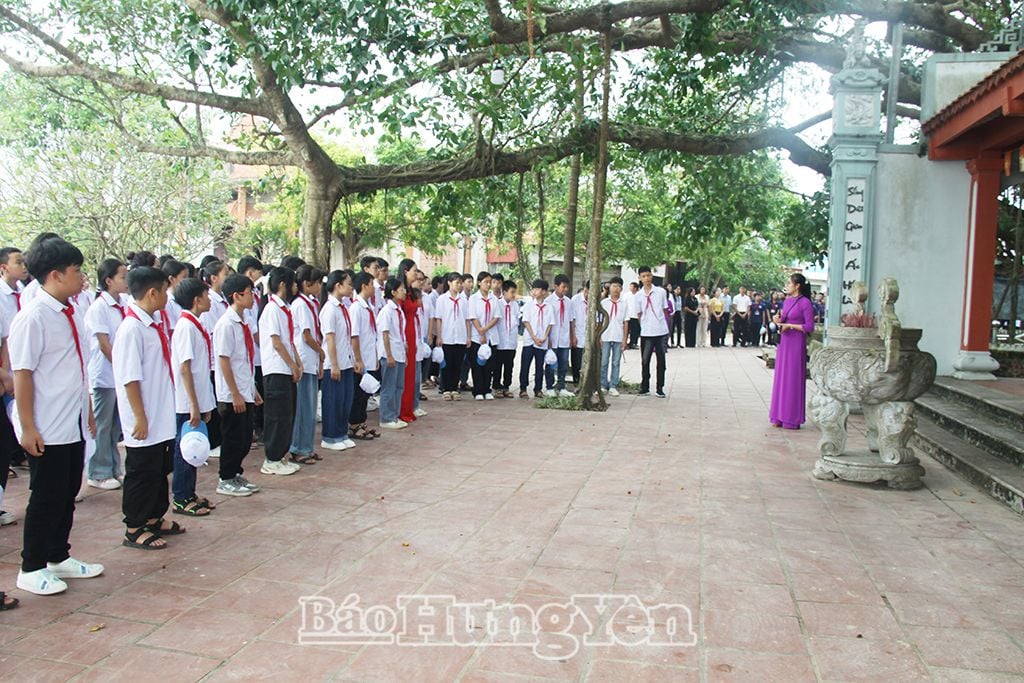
(191, 507)
(448, 396)
(359, 432)
(303, 459)
(317, 456)
(11, 474)
(205, 502)
(7, 603)
(131, 540)
(157, 527)
(506, 394)
(523, 394)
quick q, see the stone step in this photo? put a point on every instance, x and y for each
(967, 423)
(1004, 408)
(996, 477)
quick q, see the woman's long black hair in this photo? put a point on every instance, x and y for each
(800, 281)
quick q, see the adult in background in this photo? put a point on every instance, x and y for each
(634, 324)
(717, 321)
(727, 309)
(795, 322)
(702, 318)
(691, 313)
(676, 336)
(741, 320)
(758, 320)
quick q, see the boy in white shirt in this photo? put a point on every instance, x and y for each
(742, 320)
(193, 391)
(12, 272)
(560, 310)
(483, 315)
(305, 309)
(651, 305)
(613, 339)
(451, 328)
(282, 370)
(578, 340)
(537, 324)
(144, 376)
(251, 267)
(364, 349)
(214, 274)
(51, 404)
(508, 338)
(235, 384)
(369, 265)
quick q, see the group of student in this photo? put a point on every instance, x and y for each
(243, 354)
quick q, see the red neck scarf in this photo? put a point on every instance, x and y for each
(163, 343)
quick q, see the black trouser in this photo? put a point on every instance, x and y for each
(723, 329)
(359, 399)
(677, 328)
(535, 354)
(481, 373)
(465, 368)
(652, 345)
(213, 426)
(8, 445)
(754, 330)
(634, 331)
(715, 330)
(236, 429)
(452, 370)
(257, 416)
(54, 480)
(278, 415)
(146, 490)
(739, 330)
(690, 330)
(575, 362)
(501, 373)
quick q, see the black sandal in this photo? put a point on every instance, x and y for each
(205, 502)
(359, 432)
(131, 540)
(191, 507)
(157, 528)
(5, 604)
(303, 459)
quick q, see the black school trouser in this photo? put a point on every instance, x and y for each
(8, 445)
(236, 428)
(481, 373)
(739, 330)
(213, 426)
(575, 362)
(257, 415)
(278, 415)
(648, 346)
(146, 490)
(634, 331)
(723, 329)
(677, 328)
(54, 480)
(501, 375)
(359, 400)
(452, 370)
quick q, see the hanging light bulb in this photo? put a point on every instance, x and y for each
(498, 74)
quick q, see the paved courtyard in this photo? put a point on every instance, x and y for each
(694, 500)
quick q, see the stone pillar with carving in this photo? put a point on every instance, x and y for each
(856, 126)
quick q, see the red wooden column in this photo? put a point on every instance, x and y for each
(975, 361)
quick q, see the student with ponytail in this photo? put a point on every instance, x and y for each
(338, 385)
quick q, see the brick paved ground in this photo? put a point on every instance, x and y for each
(693, 500)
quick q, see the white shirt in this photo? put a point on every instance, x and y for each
(104, 317)
(229, 342)
(613, 333)
(192, 343)
(139, 357)
(83, 300)
(305, 313)
(650, 309)
(274, 322)
(30, 292)
(508, 324)
(484, 310)
(377, 300)
(452, 313)
(560, 312)
(218, 307)
(364, 320)
(252, 317)
(173, 311)
(392, 320)
(427, 304)
(540, 319)
(41, 341)
(742, 302)
(726, 303)
(579, 316)
(10, 303)
(336, 320)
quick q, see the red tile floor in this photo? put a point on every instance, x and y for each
(693, 500)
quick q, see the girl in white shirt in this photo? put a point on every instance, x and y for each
(338, 385)
(451, 328)
(307, 339)
(391, 350)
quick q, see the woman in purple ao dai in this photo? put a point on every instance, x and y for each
(796, 323)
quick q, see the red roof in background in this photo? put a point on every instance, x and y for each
(987, 85)
(499, 256)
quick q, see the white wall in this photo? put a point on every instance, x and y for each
(920, 238)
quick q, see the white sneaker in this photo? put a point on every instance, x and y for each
(215, 452)
(550, 393)
(105, 484)
(349, 443)
(372, 404)
(613, 392)
(489, 397)
(403, 423)
(41, 582)
(565, 393)
(478, 397)
(247, 484)
(232, 487)
(419, 412)
(393, 425)
(278, 467)
(74, 569)
(7, 518)
(80, 497)
(339, 446)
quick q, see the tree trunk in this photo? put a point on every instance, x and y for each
(539, 176)
(591, 396)
(572, 206)
(315, 234)
(522, 261)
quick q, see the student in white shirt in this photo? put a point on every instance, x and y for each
(144, 376)
(193, 391)
(726, 300)
(12, 272)
(369, 264)
(508, 338)
(51, 403)
(252, 268)
(391, 350)
(102, 321)
(537, 325)
(305, 309)
(235, 385)
(364, 349)
(176, 271)
(337, 328)
(213, 274)
(282, 370)
(742, 319)
(560, 309)
(483, 316)
(451, 329)
(613, 339)
(578, 335)
(651, 305)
